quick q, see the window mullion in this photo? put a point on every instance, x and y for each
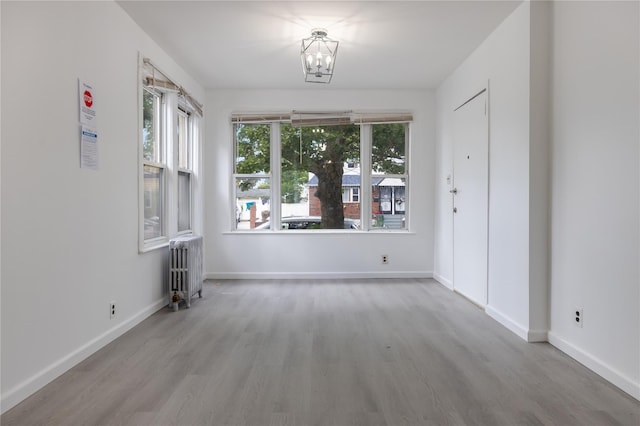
(276, 162)
(171, 160)
(365, 177)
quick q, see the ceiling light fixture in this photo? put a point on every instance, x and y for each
(318, 54)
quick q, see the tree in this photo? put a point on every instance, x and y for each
(253, 152)
(323, 151)
(388, 148)
(149, 132)
(292, 184)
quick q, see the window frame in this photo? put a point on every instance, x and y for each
(174, 102)
(351, 193)
(189, 134)
(160, 164)
(403, 176)
(365, 197)
(268, 176)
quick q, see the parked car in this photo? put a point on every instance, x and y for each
(307, 222)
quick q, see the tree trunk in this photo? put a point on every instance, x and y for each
(330, 194)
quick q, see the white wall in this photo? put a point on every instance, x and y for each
(318, 255)
(501, 63)
(564, 183)
(595, 186)
(70, 235)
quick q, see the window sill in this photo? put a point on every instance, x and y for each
(323, 232)
(152, 245)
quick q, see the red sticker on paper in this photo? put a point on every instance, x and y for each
(88, 98)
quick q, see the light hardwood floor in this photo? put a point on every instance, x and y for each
(306, 352)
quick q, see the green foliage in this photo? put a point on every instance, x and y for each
(149, 135)
(310, 148)
(253, 153)
(292, 184)
(388, 148)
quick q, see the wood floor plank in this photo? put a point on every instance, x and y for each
(326, 352)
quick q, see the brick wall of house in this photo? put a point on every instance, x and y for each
(375, 202)
(351, 210)
(314, 205)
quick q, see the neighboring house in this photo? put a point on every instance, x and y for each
(260, 198)
(388, 196)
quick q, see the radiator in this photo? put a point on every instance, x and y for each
(185, 270)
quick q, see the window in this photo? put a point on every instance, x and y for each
(351, 194)
(153, 165)
(389, 175)
(184, 143)
(314, 170)
(168, 152)
(252, 175)
(307, 173)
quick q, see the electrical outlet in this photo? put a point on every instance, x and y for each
(578, 317)
(385, 259)
(112, 310)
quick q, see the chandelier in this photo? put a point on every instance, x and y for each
(318, 54)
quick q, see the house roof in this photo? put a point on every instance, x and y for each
(255, 193)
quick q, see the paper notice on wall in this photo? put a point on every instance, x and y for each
(88, 148)
(87, 104)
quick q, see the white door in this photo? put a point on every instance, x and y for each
(471, 198)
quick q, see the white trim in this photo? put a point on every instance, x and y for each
(275, 144)
(507, 322)
(442, 280)
(366, 197)
(596, 365)
(521, 331)
(272, 232)
(154, 244)
(314, 275)
(537, 336)
(34, 383)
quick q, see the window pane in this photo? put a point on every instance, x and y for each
(253, 205)
(389, 201)
(183, 141)
(184, 201)
(318, 165)
(388, 148)
(151, 127)
(252, 148)
(153, 192)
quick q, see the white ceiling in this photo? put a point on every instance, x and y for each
(256, 44)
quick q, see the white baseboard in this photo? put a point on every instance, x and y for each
(596, 365)
(507, 322)
(536, 336)
(521, 331)
(314, 275)
(442, 280)
(36, 382)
